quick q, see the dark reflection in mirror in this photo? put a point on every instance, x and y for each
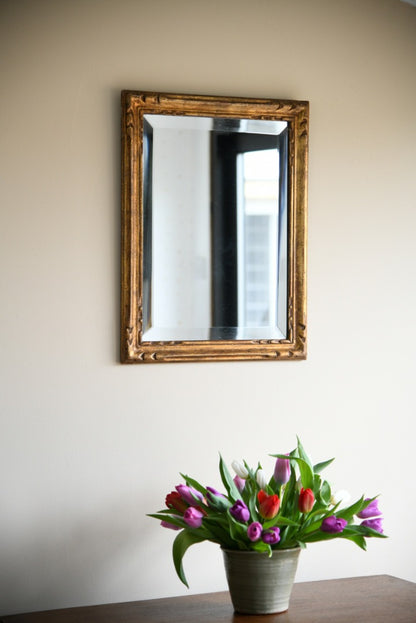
(214, 228)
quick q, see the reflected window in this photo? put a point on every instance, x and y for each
(258, 216)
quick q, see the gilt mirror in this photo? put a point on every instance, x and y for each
(214, 193)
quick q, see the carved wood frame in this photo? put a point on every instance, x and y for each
(133, 348)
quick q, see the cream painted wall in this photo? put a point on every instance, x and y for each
(89, 446)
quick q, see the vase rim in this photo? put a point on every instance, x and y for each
(251, 551)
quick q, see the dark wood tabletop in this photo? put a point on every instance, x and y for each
(379, 599)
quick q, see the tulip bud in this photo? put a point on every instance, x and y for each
(369, 511)
(212, 491)
(375, 524)
(282, 471)
(333, 524)
(240, 511)
(254, 531)
(261, 479)
(268, 504)
(240, 483)
(193, 517)
(306, 500)
(271, 536)
(166, 524)
(239, 469)
(188, 494)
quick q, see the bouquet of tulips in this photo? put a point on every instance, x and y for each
(293, 507)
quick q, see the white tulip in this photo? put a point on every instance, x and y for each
(239, 469)
(261, 479)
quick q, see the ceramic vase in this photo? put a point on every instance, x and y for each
(260, 584)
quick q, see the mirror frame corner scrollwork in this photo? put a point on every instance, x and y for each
(133, 348)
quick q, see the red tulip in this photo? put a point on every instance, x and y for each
(175, 501)
(268, 504)
(306, 500)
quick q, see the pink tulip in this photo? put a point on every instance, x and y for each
(193, 517)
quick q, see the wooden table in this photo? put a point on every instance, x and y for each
(373, 599)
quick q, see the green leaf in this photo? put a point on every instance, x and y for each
(183, 541)
(315, 519)
(353, 533)
(238, 532)
(353, 509)
(325, 492)
(250, 497)
(259, 546)
(357, 534)
(195, 484)
(228, 482)
(269, 490)
(306, 472)
(219, 531)
(355, 538)
(319, 535)
(304, 456)
(317, 483)
(274, 486)
(364, 531)
(301, 544)
(216, 512)
(280, 521)
(289, 499)
(251, 474)
(319, 467)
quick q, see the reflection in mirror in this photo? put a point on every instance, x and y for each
(214, 225)
(216, 228)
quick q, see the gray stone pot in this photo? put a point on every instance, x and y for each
(259, 584)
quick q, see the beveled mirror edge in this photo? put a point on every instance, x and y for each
(133, 349)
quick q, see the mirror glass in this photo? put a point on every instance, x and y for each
(215, 228)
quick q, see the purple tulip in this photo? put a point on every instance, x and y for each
(254, 531)
(240, 483)
(371, 510)
(375, 524)
(188, 494)
(282, 471)
(215, 492)
(193, 517)
(271, 536)
(333, 524)
(166, 524)
(240, 511)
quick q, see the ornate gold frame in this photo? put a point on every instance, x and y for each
(133, 348)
